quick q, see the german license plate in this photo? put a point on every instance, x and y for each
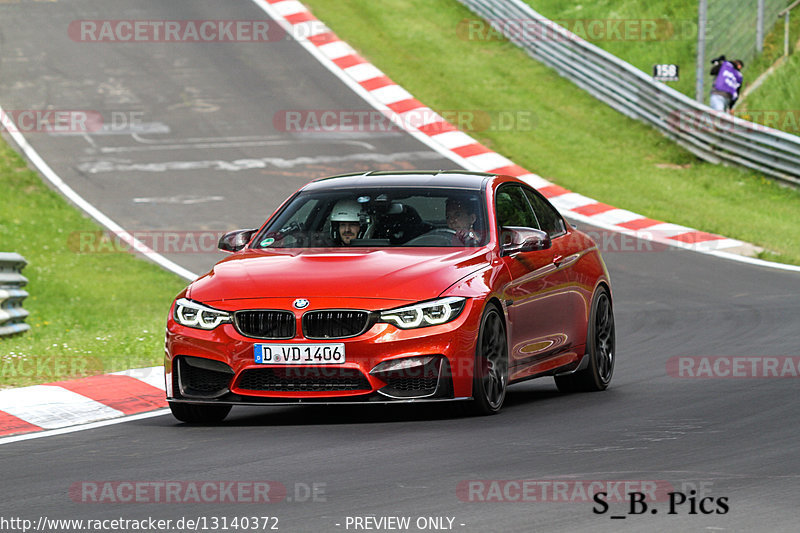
(299, 354)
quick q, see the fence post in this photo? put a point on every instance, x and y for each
(702, 15)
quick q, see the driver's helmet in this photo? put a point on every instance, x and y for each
(348, 211)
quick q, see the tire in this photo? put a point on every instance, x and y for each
(600, 345)
(199, 413)
(490, 375)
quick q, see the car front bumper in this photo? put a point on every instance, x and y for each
(218, 366)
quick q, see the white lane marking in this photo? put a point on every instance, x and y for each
(37, 161)
(717, 244)
(616, 216)
(110, 129)
(150, 147)
(53, 407)
(490, 161)
(89, 140)
(249, 164)
(537, 182)
(391, 94)
(571, 200)
(453, 139)
(363, 72)
(422, 116)
(666, 230)
(213, 139)
(183, 199)
(82, 427)
(336, 49)
(289, 7)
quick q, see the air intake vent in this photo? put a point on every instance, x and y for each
(202, 378)
(334, 324)
(265, 324)
(294, 379)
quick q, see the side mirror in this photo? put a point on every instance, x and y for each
(233, 241)
(514, 239)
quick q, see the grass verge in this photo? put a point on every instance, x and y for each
(89, 313)
(572, 139)
(776, 103)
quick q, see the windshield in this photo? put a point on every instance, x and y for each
(386, 217)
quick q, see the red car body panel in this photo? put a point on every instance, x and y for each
(544, 296)
(405, 274)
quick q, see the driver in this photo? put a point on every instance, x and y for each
(460, 216)
(347, 222)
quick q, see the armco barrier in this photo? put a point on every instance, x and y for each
(713, 136)
(12, 315)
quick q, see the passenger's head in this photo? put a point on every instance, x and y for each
(346, 221)
(460, 214)
(738, 63)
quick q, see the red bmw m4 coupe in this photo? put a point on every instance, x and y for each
(393, 287)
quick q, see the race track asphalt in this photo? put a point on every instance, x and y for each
(205, 107)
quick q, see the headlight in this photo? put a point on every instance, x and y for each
(197, 315)
(425, 314)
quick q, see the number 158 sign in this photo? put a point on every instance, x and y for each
(665, 72)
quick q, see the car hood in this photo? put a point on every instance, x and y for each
(401, 274)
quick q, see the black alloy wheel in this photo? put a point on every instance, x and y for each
(490, 376)
(600, 345)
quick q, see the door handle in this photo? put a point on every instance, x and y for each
(557, 260)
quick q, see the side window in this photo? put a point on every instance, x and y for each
(548, 217)
(513, 208)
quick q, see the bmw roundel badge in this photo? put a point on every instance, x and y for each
(301, 303)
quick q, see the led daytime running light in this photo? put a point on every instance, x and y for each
(196, 315)
(425, 314)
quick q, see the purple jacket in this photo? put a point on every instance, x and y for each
(728, 80)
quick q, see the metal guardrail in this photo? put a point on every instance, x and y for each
(12, 315)
(713, 136)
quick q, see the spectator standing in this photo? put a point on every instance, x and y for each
(727, 83)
